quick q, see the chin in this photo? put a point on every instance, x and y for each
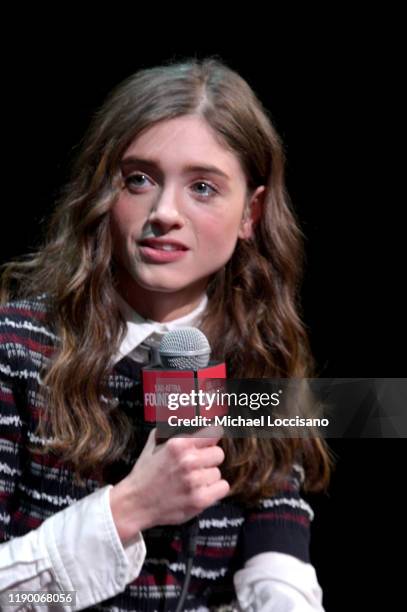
(161, 287)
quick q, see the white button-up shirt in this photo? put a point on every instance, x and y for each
(79, 549)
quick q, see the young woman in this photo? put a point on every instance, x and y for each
(176, 214)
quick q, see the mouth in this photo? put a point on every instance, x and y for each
(157, 250)
(160, 244)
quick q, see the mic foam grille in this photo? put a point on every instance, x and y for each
(186, 348)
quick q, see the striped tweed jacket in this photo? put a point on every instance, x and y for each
(34, 486)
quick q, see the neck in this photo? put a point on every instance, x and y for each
(162, 306)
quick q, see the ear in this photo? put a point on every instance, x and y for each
(252, 213)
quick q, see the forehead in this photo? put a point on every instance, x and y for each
(187, 140)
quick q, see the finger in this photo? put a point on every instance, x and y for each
(211, 475)
(210, 457)
(207, 436)
(217, 491)
(152, 439)
(151, 436)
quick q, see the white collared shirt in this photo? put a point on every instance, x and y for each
(143, 333)
(79, 549)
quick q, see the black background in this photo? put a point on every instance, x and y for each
(332, 99)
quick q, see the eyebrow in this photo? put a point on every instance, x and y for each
(150, 163)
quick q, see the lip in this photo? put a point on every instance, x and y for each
(150, 253)
(158, 242)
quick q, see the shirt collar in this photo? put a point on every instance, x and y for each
(149, 332)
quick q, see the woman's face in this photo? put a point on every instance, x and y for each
(179, 213)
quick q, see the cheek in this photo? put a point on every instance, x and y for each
(119, 228)
(116, 231)
(219, 235)
(119, 215)
(122, 219)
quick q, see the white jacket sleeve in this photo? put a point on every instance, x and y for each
(77, 549)
(277, 582)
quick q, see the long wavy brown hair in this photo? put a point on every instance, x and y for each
(253, 317)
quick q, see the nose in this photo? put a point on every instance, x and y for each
(165, 212)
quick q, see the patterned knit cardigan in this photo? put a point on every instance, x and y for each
(34, 486)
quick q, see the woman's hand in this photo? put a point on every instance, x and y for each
(169, 484)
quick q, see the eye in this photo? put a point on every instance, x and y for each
(205, 193)
(136, 180)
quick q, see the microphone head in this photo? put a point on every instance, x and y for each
(186, 348)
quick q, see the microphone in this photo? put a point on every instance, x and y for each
(185, 367)
(184, 354)
(185, 348)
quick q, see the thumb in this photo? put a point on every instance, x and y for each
(151, 442)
